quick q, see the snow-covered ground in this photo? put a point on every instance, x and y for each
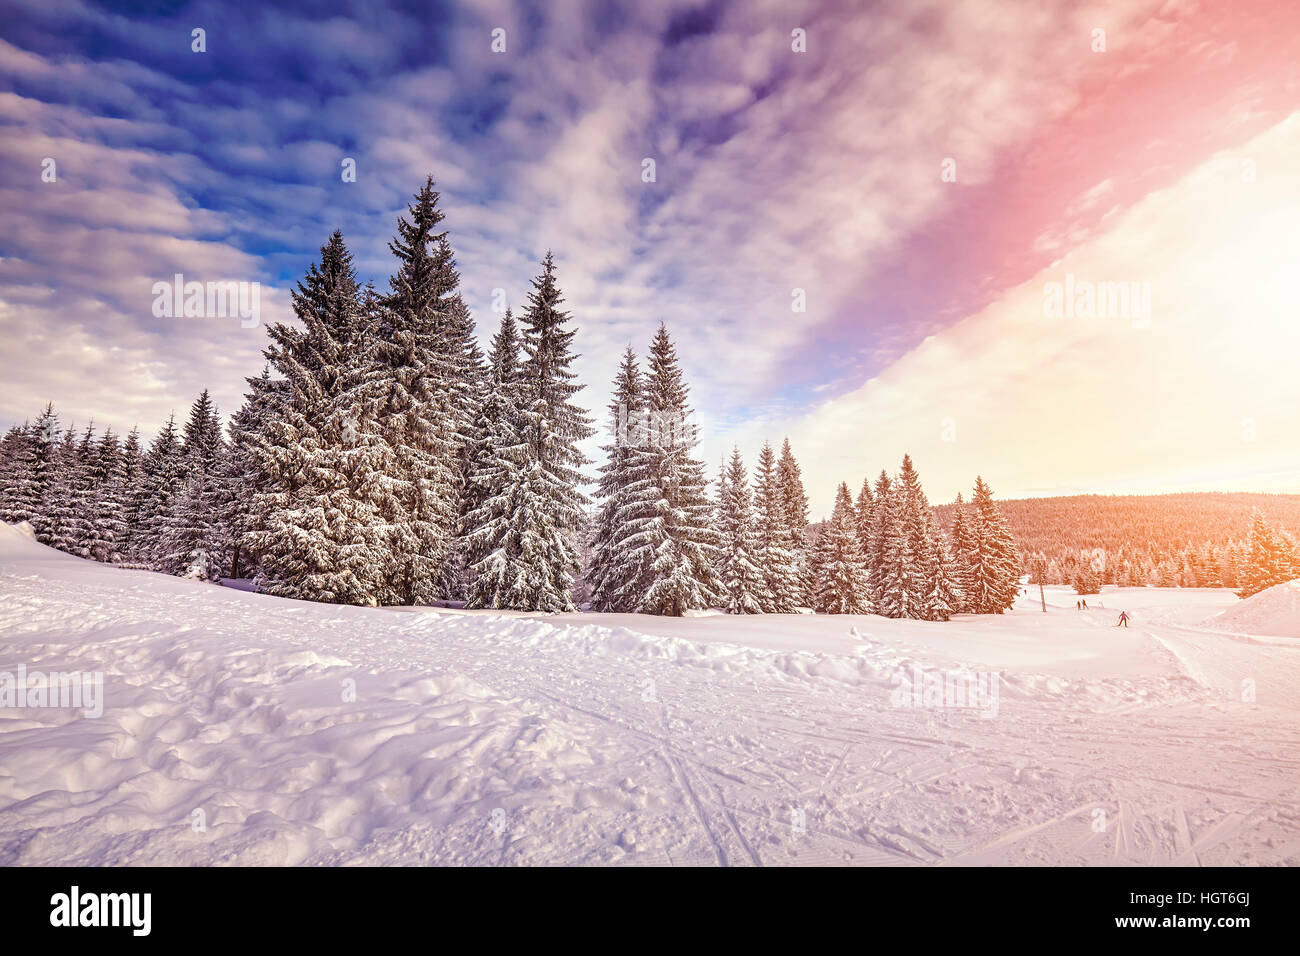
(239, 728)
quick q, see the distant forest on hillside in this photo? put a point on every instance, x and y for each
(1187, 540)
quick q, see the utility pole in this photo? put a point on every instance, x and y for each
(1039, 569)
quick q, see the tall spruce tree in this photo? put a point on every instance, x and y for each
(863, 513)
(411, 391)
(67, 521)
(190, 541)
(895, 585)
(15, 472)
(499, 538)
(670, 531)
(963, 545)
(877, 540)
(321, 523)
(37, 472)
(1272, 558)
(993, 559)
(795, 503)
(944, 596)
(132, 482)
(106, 500)
(242, 478)
(921, 571)
(468, 392)
(839, 568)
(191, 545)
(619, 575)
(502, 397)
(741, 577)
(532, 540)
(164, 476)
(781, 592)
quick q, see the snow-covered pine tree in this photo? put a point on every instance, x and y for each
(916, 526)
(963, 545)
(8, 458)
(164, 476)
(741, 577)
(671, 529)
(320, 524)
(1086, 580)
(795, 504)
(1232, 566)
(132, 482)
(357, 491)
(1206, 568)
(190, 543)
(1271, 558)
(499, 484)
(531, 537)
(242, 478)
(773, 556)
(894, 589)
(15, 472)
(874, 546)
(66, 523)
(8, 447)
(864, 513)
(509, 530)
(468, 386)
(37, 470)
(617, 583)
(994, 563)
(105, 500)
(839, 571)
(203, 441)
(945, 596)
(410, 389)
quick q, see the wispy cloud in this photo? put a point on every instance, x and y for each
(775, 170)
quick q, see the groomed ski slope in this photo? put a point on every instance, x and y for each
(619, 739)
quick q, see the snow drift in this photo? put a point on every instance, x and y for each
(1273, 612)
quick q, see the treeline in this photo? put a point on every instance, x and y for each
(382, 458)
(1176, 540)
(1267, 557)
(1272, 557)
(659, 545)
(884, 553)
(100, 497)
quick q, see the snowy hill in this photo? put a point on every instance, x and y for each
(238, 728)
(1274, 611)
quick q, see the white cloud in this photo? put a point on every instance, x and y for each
(1055, 406)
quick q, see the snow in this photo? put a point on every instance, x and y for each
(247, 729)
(1274, 612)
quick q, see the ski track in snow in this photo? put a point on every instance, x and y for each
(488, 740)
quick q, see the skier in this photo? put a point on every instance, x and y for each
(1085, 604)
(1078, 605)
(1123, 619)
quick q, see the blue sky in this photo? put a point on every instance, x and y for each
(776, 170)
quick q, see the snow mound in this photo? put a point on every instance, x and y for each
(19, 541)
(17, 532)
(1274, 612)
